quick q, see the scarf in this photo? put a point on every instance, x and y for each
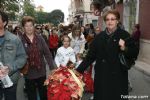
(33, 52)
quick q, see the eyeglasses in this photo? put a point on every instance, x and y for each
(112, 19)
(38, 28)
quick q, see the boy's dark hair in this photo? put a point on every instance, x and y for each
(4, 17)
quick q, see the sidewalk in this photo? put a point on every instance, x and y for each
(143, 67)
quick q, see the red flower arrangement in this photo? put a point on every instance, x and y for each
(89, 82)
(64, 84)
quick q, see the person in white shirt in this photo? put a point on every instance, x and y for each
(65, 53)
(77, 39)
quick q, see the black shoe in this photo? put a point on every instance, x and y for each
(91, 98)
(130, 88)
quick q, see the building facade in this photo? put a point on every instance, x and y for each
(79, 12)
(144, 6)
(132, 12)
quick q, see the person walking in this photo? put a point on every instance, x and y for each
(12, 56)
(53, 42)
(136, 36)
(111, 78)
(37, 51)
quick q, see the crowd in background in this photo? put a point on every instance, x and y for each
(53, 35)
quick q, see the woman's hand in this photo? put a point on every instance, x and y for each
(46, 82)
(122, 44)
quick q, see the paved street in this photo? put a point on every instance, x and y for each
(140, 83)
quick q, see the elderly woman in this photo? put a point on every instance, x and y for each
(36, 49)
(111, 80)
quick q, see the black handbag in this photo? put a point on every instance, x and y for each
(126, 62)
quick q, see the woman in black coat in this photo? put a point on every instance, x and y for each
(111, 80)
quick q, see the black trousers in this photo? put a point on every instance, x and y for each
(34, 85)
(53, 51)
(8, 93)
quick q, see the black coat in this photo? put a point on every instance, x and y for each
(110, 81)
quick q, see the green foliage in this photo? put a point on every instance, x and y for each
(11, 7)
(55, 17)
(28, 8)
(41, 17)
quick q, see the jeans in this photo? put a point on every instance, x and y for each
(8, 93)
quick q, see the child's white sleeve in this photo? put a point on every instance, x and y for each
(57, 59)
(78, 63)
(72, 56)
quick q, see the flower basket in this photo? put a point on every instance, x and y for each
(64, 84)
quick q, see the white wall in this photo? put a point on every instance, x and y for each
(86, 5)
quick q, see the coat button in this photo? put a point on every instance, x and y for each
(115, 40)
(103, 60)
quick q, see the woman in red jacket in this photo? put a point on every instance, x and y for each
(53, 42)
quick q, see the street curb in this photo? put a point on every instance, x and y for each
(143, 67)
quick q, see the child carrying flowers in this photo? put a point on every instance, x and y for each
(65, 53)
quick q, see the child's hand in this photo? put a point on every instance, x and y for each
(71, 66)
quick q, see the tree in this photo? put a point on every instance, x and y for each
(28, 8)
(10, 7)
(41, 17)
(56, 17)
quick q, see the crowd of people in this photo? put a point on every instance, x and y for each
(31, 46)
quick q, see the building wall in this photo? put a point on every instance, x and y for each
(100, 22)
(144, 19)
(119, 7)
(144, 54)
(86, 5)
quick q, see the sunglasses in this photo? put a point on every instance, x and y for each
(38, 28)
